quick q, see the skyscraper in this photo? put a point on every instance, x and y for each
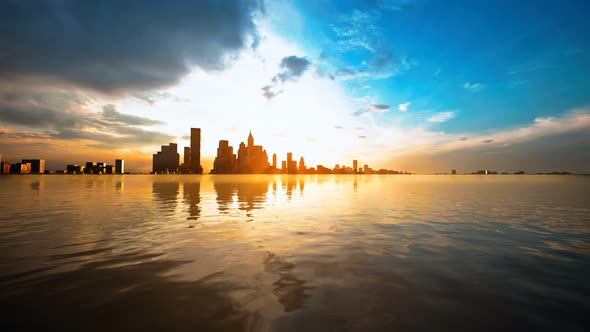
(195, 163)
(225, 162)
(166, 161)
(187, 156)
(119, 166)
(274, 160)
(355, 166)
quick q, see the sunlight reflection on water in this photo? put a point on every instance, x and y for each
(293, 253)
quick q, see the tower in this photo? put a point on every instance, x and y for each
(195, 167)
(274, 160)
(250, 139)
(355, 166)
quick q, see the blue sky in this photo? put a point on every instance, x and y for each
(494, 64)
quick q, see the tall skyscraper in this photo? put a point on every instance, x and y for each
(274, 160)
(355, 166)
(119, 166)
(225, 162)
(187, 156)
(252, 159)
(195, 163)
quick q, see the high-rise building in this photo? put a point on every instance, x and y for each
(167, 160)
(187, 156)
(454, 171)
(195, 162)
(225, 161)
(37, 165)
(252, 159)
(302, 167)
(119, 166)
(291, 164)
(355, 166)
(274, 161)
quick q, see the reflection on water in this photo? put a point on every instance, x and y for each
(295, 253)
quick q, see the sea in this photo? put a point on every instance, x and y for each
(295, 253)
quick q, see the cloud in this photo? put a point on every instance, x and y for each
(116, 47)
(403, 107)
(394, 5)
(64, 115)
(110, 113)
(463, 138)
(338, 127)
(572, 121)
(441, 117)
(292, 67)
(374, 108)
(361, 136)
(359, 31)
(473, 86)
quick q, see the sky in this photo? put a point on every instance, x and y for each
(417, 85)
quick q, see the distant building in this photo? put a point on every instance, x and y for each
(119, 166)
(274, 161)
(5, 167)
(74, 169)
(454, 171)
(195, 162)
(355, 166)
(20, 168)
(37, 165)
(166, 160)
(225, 161)
(109, 169)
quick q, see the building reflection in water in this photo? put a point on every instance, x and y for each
(166, 194)
(225, 195)
(120, 186)
(289, 290)
(191, 192)
(251, 196)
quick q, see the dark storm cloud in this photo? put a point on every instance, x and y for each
(292, 67)
(110, 113)
(120, 46)
(62, 115)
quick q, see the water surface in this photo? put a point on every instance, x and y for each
(295, 253)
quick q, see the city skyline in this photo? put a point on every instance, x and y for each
(363, 80)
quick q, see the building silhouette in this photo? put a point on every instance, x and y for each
(119, 166)
(166, 160)
(355, 166)
(37, 165)
(20, 168)
(225, 162)
(195, 153)
(252, 159)
(5, 167)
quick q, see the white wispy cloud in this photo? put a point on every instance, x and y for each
(574, 120)
(404, 106)
(441, 117)
(473, 86)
